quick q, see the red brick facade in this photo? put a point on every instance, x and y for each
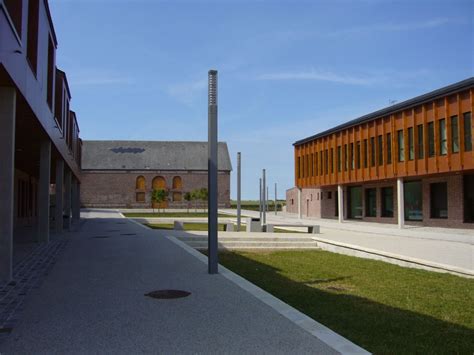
(117, 189)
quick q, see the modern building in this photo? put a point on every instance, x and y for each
(411, 162)
(124, 173)
(40, 149)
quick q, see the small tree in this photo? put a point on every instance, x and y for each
(194, 197)
(158, 196)
(203, 194)
(188, 198)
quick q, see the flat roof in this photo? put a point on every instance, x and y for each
(461, 85)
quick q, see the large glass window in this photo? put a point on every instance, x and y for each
(411, 148)
(354, 201)
(401, 146)
(454, 134)
(431, 143)
(370, 203)
(389, 148)
(439, 200)
(467, 132)
(420, 150)
(443, 143)
(15, 9)
(372, 151)
(32, 34)
(387, 201)
(413, 197)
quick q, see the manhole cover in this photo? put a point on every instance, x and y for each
(128, 234)
(168, 294)
(100, 236)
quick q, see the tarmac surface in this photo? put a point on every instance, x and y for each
(93, 301)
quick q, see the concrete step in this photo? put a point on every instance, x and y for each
(257, 245)
(243, 239)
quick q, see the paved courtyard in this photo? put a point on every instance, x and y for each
(93, 301)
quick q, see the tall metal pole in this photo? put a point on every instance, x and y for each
(276, 199)
(260, 202)
(264, 198)
(238, 190)
(212, 173)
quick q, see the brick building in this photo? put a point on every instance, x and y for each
(40, 148)
(411, 163)
(124, 173)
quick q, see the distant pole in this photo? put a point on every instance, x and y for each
(276, 199)
(260, 202)
(238, 190)
(264, 198)
(212, 173)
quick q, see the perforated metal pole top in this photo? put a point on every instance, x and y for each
(212, 173)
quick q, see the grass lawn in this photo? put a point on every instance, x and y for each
(170, 214)
(382, 307)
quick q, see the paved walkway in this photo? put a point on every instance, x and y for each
(451, 247)
(93, 302)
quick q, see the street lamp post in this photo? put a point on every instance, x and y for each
(212, 173)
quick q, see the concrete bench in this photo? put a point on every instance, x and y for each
(253, 225)
(312, 228)
(178, 226)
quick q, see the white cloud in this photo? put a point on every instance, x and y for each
(187, 92)
(96, 77)
(320, 75)
(397, 27)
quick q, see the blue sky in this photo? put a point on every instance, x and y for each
(287, 69)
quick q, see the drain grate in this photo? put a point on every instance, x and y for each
(100, 236)
(128, 234)
(168, 294)
(6, 330)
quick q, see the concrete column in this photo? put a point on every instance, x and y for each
(58, 210)
(43, 191)
(400, 203)
(340, 203)
(7, 179)
(300, 210)
(67, 197)
(76, 202)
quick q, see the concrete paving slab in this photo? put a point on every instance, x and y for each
(93, 302)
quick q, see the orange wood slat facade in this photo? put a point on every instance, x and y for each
(320, 173)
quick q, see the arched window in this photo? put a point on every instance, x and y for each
(177, 183)
(158, 182)
(140, 186)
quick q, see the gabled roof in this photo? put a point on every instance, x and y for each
(150, 155)
(447, 90)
